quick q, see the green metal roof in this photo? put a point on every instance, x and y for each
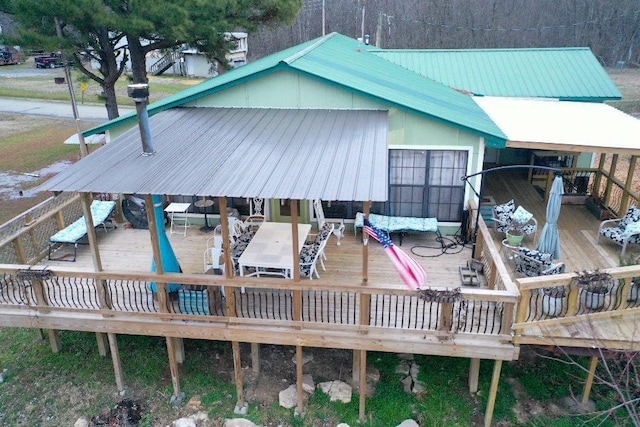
(568, 74)
(340, 61)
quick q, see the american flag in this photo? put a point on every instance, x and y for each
(412, 273)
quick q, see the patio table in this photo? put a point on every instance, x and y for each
(272, 248)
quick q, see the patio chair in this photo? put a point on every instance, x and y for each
(623, 230)
(323, 234)
(309, 257)
(504, 215)
(338, 224)
(212, 255)
(533, 263)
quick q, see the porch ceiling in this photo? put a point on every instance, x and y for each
(243, 152)
(563, 125)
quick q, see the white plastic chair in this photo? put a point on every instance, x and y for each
(338, 224)
(213, 254)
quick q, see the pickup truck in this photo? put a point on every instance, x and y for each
(7, 58)
(48, 61)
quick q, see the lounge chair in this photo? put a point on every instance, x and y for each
(73, 233)
(622, 231)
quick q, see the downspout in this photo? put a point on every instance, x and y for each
(139, 92)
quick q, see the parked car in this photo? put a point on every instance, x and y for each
(48, 61)
(7, 58)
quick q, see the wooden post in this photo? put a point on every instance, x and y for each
(101, 339)
(179, 345)
(86, 200)
(237, 368)
(474, 373)
(226, 250)
(299, 382)
(173, 366)
(624, 203)
(115, 359)
(54, 340)
(157, 257)
(297, 294)
(355, 370)
(507, 317)
(495, 379)
(19, 249)
(363, 387)
(365, 247)
(587, 386)
(595, 191)
(612, 171)
(255, 357)
(446, 316)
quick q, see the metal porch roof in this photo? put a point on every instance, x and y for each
(563, 125)
(561, 73)
(243, 152)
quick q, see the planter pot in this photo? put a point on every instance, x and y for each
(552, 305)
(594, 300)
(514, 239)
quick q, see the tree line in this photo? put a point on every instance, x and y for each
(609, 27)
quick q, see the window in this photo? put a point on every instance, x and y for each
(422, 183)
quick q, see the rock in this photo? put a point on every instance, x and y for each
(408, 423)
(337, 390)
(407, 384)
(195, 402)
(373, 374)
(241, 410)
(238, 422)
(343, 425)
(418, 387)
(81, 422)
(184, 422)
(403, 368)
(308, 385)
(414, 371)
(306, 358)
(288, 397)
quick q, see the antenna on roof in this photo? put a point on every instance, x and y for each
(139, 92)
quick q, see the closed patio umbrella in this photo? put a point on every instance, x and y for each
(549, 238)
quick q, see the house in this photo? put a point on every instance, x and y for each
(323, 120)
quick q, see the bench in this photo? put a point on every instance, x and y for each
(398, 224)
(101, 212)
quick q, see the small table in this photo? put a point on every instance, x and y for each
(203, 204)
(272, 248)
(179, 219)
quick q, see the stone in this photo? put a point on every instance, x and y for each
(408, 423)
(308, 385)
(414, 371)
(343, 425)
(403, 368)
(288, 397)
(337, 391)
(195, 402)
(177, 400)
(407, 384)
(184, 422)
(81, 422)
(238, 422)
(241, 410)
(373, 374)
(418, 387)
(306, 358)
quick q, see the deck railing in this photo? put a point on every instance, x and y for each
(558, 296)
(205, 297)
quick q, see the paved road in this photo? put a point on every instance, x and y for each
(55, 109)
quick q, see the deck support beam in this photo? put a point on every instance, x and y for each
(255, 357)
(115, 359)
(491, 403)
(474, 373)
(591, 374)
(175, 369)
(355, 369)
(237, 369)
(54, 340)
(299, 380)
(362, 416)
(101, 339)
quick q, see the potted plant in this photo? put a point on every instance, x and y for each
(515, 232)
(554, 299)
(595, 286)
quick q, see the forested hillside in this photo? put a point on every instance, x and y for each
(609, 27)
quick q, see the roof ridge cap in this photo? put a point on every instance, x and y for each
(308, 49)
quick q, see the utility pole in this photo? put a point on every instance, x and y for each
(74, 106)
(379, 30)
(362, 26)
